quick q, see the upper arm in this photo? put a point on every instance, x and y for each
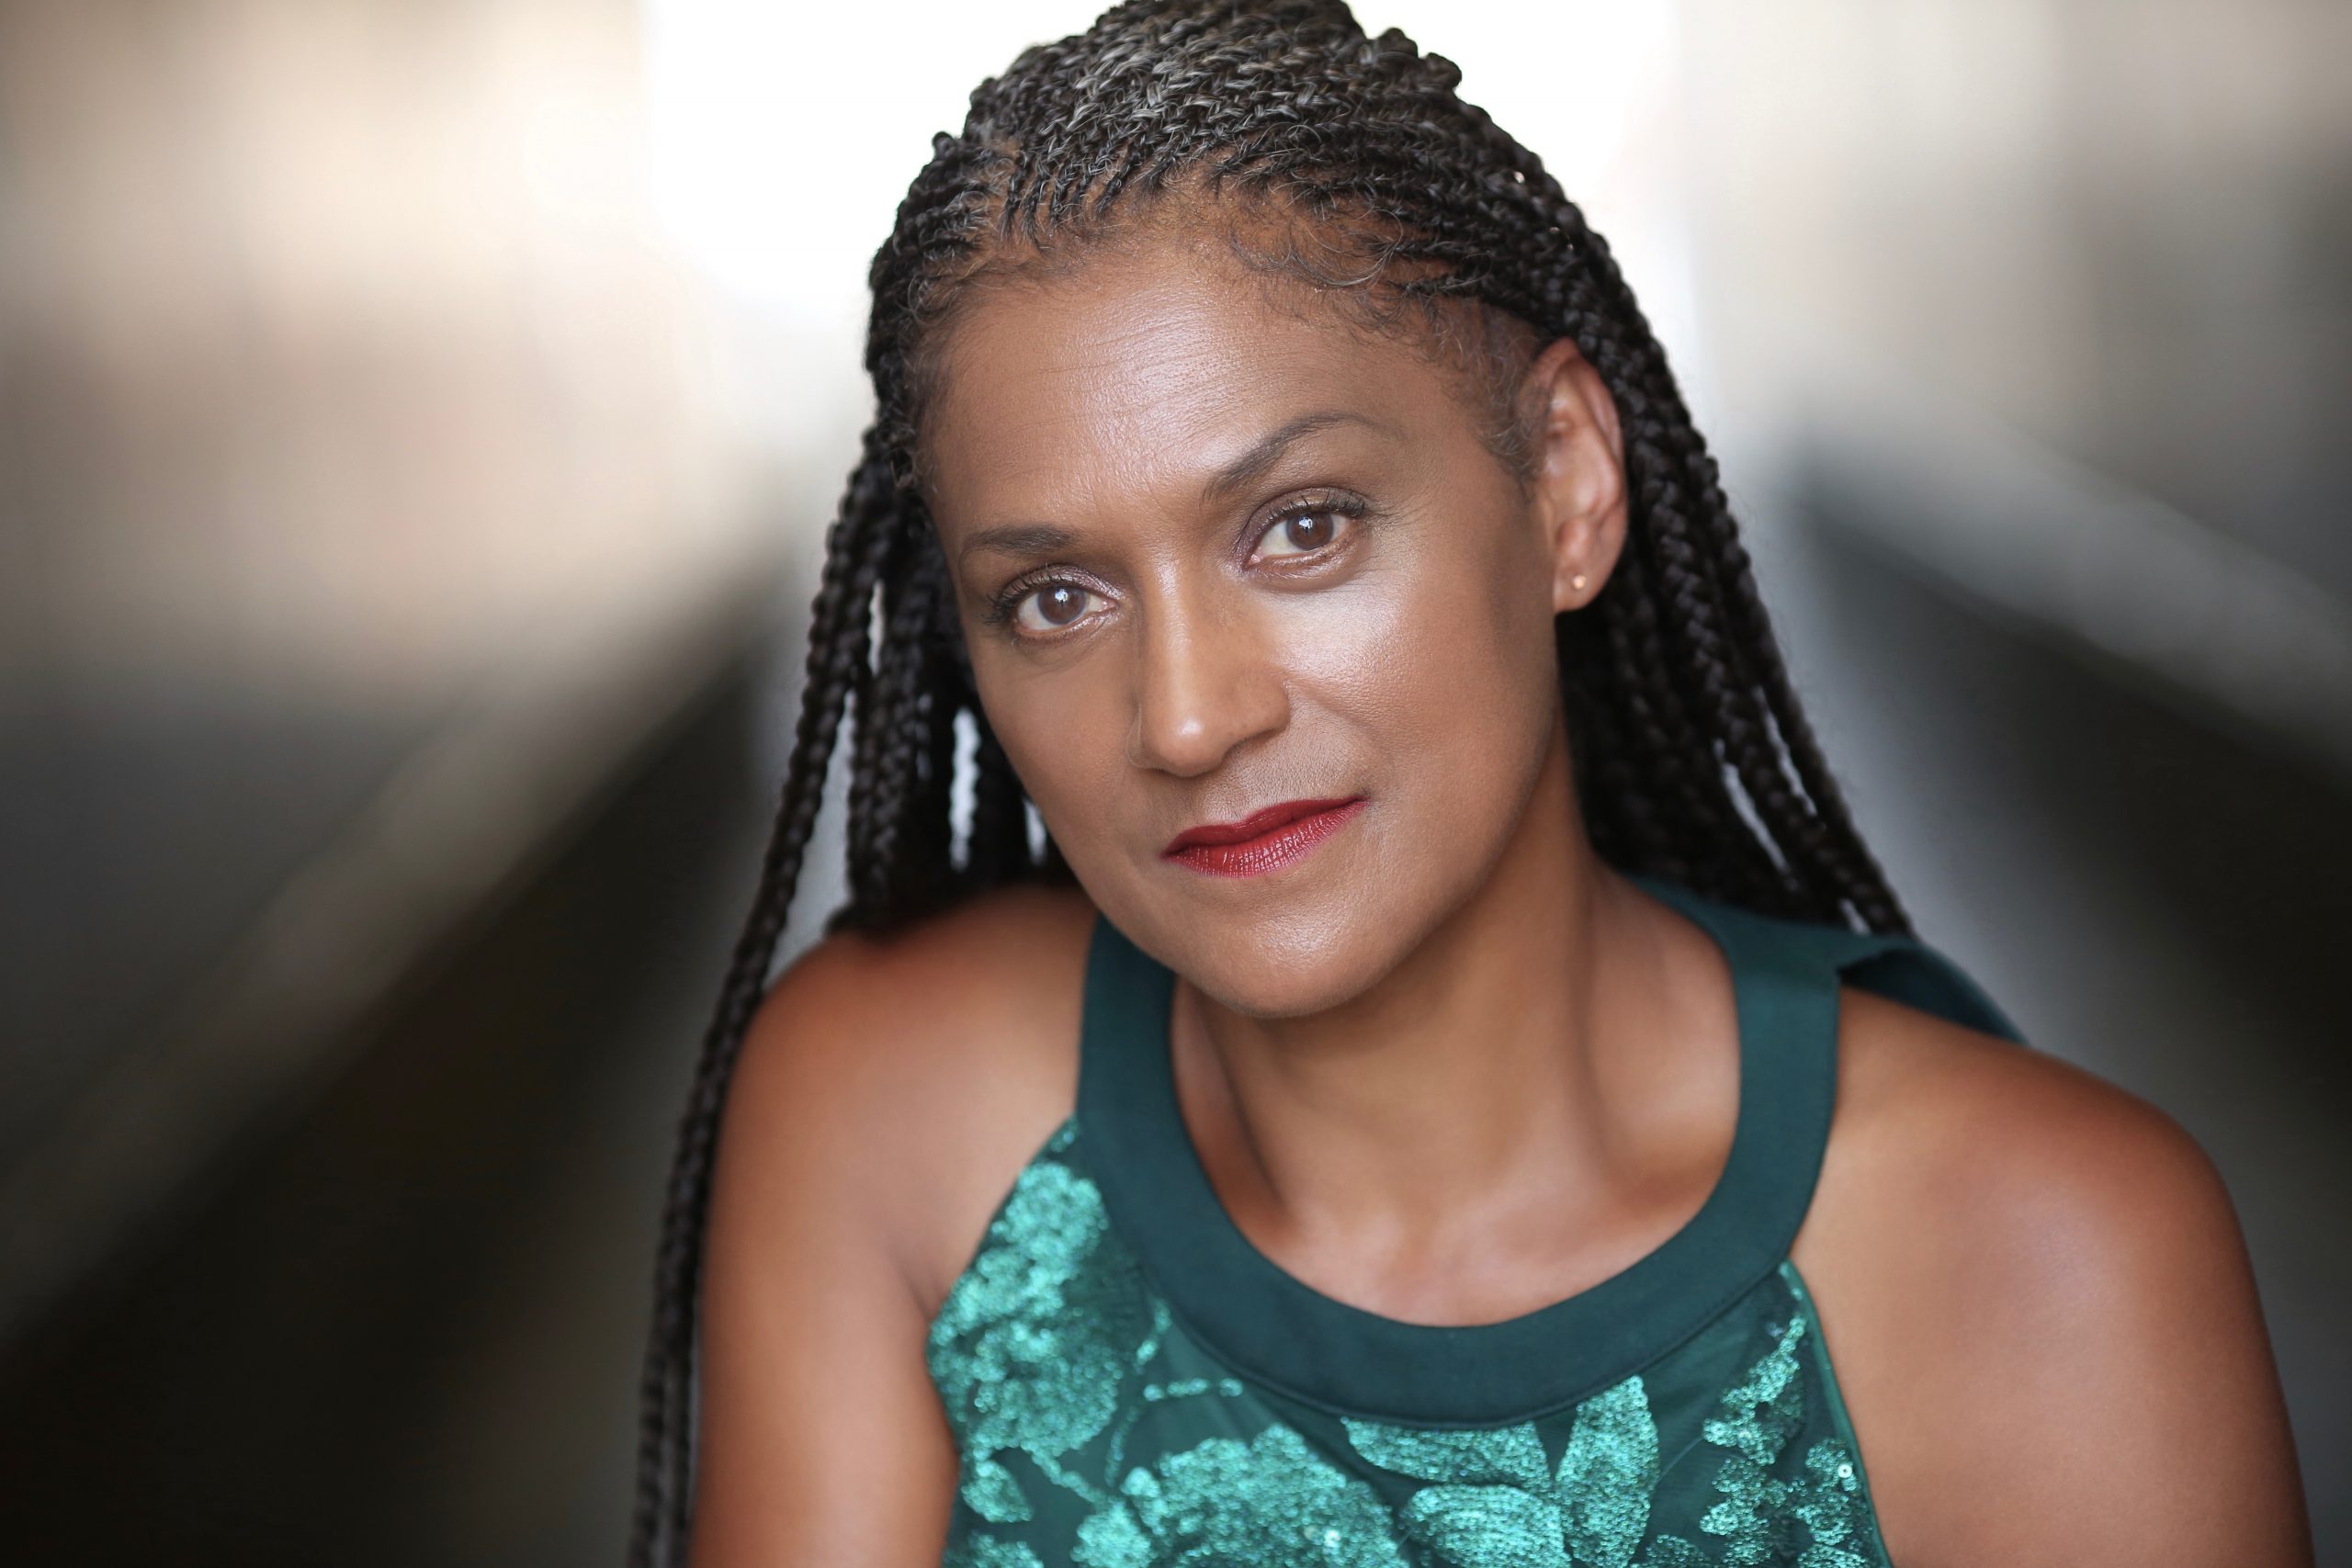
(2144, 1411)
(885, 1097)
(2043, 1316)
(820, 1440)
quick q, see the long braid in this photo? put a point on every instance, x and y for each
(1000, 844)
(898, 821)
(1694, 757)
(837, 632)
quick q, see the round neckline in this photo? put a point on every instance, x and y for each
(1279, 1331)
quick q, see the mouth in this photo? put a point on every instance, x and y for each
(1263, 840)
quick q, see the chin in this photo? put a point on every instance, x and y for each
(1286, 957)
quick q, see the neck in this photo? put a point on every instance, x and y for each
(1527, 1071)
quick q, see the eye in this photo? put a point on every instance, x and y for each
(1053, 606)
(1302, 532)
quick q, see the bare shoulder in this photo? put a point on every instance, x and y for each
(888, 1091)
(2040, 1309)
(2028, 1166)
(906, 1078)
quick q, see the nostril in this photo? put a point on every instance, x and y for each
(1201, 692)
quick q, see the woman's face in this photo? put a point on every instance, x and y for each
(1217, 553)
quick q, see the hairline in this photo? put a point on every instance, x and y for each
(1483, 348)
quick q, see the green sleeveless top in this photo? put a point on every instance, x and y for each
(1131, 1382)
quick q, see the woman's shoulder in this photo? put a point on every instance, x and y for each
(916, 1072)
(2000, 1202)
(1940, 1111)
(2003, 1243)
(2009, 1165)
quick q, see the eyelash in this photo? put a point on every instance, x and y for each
(1325, 507)
(1007, 602)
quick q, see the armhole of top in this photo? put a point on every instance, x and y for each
(1907, 970)
(1841, 1420)
(1056, 1147)
(1901, 969)
(1062, 1146)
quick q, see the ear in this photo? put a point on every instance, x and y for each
(1579, 471)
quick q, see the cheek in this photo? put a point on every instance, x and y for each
(1443, 653)
(1065, 732)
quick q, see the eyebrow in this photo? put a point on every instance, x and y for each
(1252, 465)
(1018, 540)
(1046, 538)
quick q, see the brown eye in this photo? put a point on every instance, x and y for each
(1300, 534)
(1052, 607)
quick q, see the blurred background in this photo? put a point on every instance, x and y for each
(417, 421)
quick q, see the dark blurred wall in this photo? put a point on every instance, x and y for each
(400, 1324)
(2123, 227)
(2030, 327)
(365, 538)
(357, 509)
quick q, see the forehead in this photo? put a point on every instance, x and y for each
(1144, 370)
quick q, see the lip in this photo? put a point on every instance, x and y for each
(1262, 842)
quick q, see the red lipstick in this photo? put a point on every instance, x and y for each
(1263, 840)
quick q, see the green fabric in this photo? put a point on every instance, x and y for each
(1122, 1371)
(1095, 1430)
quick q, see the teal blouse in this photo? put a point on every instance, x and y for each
(1131, 1382)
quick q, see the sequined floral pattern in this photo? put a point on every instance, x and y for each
(1032, 1347)
(1816, 1518)
(1493, 1504)
(1489, 1505)
(1095, 1432)
(1272, 1502)
(981, 1552)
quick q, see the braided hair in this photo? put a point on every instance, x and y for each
(1693, 759)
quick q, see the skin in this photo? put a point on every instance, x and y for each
(1449, 1066)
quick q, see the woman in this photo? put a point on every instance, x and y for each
(1450, 1072)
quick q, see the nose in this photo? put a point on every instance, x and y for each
(1205, 685)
